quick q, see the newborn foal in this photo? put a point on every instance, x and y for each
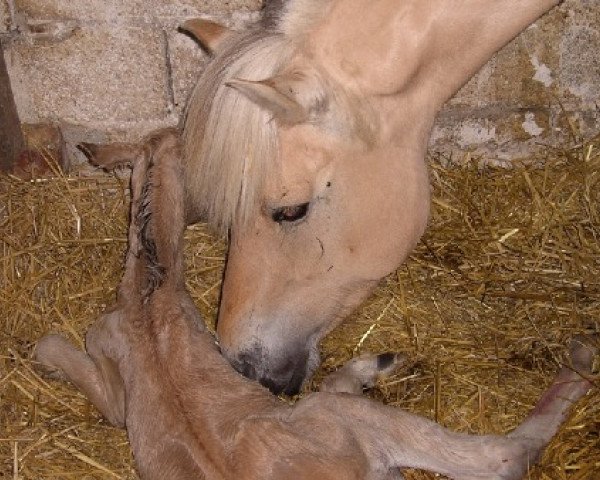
(152, 367)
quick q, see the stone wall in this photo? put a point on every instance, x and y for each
(107, 70)
(543, 88)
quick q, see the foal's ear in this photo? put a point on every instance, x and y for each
(111, 156)
(209, 34)
(292, 98)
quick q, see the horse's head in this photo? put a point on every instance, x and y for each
(305, 140)
(331, 222)
(317, 215)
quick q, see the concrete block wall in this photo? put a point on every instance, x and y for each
(4, 17)
(107, 70)
(543, 88)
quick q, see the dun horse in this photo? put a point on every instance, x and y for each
(305, 138)
(151, 366)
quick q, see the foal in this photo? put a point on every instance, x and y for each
(152, 367)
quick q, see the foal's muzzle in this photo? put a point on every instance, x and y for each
(279, 374)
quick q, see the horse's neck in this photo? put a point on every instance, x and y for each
(405, 120)
(204, 378)
(431, 47)
(160, 417)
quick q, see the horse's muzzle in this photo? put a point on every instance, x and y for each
(280, 375)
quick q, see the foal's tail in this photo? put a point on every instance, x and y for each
(157, 211)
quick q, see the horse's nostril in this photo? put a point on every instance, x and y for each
(295, 383)
(275, 387)
(248, 370)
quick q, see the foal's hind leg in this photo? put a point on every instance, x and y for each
(410, 441)
(361, 372)
(94, 373)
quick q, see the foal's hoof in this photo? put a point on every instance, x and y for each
(362, 372)
(582, 351)
(372, 368)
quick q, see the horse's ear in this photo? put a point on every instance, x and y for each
(209, 34)
(292, 98)
(272, 97)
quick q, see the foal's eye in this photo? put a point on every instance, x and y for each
(290, 214)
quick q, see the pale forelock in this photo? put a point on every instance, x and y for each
(230, 143)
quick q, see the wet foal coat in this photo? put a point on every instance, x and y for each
(152, 367)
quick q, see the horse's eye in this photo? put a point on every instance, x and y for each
(290, 214)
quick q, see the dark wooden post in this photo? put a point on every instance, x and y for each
(11, 136)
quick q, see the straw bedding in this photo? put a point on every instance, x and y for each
(508, 271)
